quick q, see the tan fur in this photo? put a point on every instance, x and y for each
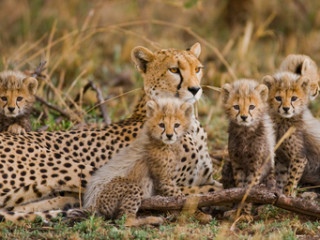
(302, 65)
(17, 95)
(66, 160)
(297, 158)
(251, 136)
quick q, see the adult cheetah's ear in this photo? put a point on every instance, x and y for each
(263, 91)
(304, 83)
(141, 56)
(187, 108)
(152, 106)
(195, 49)
(32, 84)
(226, 89)
(268, 80)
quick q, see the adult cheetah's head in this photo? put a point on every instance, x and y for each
(288, 93)
(170, 72)
(16, 93)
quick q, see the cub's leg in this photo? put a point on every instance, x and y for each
(122, 197)
(296, 169)
(281, 173)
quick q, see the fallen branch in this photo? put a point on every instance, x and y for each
(234, 195)
(38, 71)
(56, 108)
(100, 99)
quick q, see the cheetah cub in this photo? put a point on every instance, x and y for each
(302, 65)
(251, 136)
(298, 157)
(17, 95)
(144, 168)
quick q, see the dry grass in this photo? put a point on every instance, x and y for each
(93, 39)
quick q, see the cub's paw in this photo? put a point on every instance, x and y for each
(135, 222)
(289, 191)
(309, 195)
(16, 129)
(202, 217)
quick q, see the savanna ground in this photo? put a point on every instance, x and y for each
(92, 40)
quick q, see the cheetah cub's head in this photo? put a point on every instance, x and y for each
(17, 93)
(289, 93)
(168, 119)
(303, 65)
(170, 72)
(245, 101)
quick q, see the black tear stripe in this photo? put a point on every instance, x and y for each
(181, 80)
(279, 107)
(17, 104)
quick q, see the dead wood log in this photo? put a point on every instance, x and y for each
(234, 195)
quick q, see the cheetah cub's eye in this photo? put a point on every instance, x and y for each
(176, 125)
(4, 98)
(236, 107)
(198, 69)
(251, 107)
(278, 98)
(19, 99)
(294, 98)
(174, 70)
(161, 125)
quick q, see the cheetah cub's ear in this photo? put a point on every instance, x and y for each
(141, 56)
(304, 83)
(268, 80)
(152, 106)
(195, 49)
(32, 84)
(226, 89)
(263, 91)
(187, 108)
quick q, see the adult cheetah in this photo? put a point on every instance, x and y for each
(36, 166)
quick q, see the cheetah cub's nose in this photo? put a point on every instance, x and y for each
(169, 136)
(244, 117)
(286, 109)
(194, 90)
(11, 109)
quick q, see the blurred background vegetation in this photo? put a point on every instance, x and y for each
(92, 40)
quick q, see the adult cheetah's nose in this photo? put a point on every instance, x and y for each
(286, 109)
(11, 109)
(169, 136)
(194, 90)
(244, 117)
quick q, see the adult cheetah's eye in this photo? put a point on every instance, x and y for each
(251, 107)
(176, 125)
(161, 125)
(19, 99)
(294, 98)
(4, 98)
(174, 70)
(236, 107)
(278, 98)
(198, 69)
